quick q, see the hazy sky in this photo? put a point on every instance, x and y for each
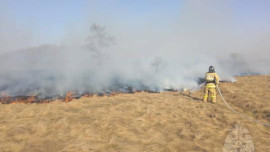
(48, 21)
(158, 44)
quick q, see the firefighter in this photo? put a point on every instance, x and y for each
(212, 81)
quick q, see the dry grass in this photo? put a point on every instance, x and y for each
(169, 121)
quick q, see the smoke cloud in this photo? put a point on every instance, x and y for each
(144, 55)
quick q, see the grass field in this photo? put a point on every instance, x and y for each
(158, 122)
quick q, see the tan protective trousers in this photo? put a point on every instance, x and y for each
(210, 91)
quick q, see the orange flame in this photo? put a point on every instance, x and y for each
(31, 99)
(113, 93)
(68, 96)
(4, 97)
(23, 100)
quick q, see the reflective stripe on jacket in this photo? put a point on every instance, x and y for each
(211, 80)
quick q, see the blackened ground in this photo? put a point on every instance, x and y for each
(167, 121)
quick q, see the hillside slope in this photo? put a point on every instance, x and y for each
(168, 121)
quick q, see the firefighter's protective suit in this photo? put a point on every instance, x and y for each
(212, 80)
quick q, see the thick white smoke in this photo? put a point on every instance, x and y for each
(98, 58)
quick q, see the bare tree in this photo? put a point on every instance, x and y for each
(158, 64)
(98, 40)
(239, 63)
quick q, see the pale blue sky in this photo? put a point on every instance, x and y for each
(51, 18)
